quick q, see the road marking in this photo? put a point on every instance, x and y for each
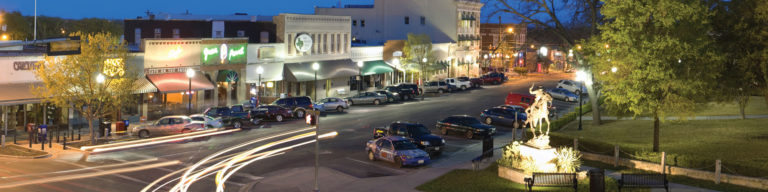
(375, 165)
(88, 175)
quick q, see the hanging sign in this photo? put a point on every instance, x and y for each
(303, 42)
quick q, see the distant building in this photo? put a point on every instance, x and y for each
(258, 29)
(502, 44)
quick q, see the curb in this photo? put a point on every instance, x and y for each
(27, 157)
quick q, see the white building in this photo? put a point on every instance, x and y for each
(445, 21)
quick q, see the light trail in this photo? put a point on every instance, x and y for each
(97, 150)
(84, 148)
(87, 175)
(84, 169)
(172, 180)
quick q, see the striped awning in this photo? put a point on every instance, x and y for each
(142, 85)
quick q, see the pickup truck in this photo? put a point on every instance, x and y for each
(235, 116)
(417, 133)
(458, 83)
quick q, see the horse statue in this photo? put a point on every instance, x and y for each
(537, 113)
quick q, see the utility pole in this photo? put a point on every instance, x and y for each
(35, 36)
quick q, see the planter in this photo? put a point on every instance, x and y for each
(514, 175)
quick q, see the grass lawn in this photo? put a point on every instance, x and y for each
(740, 144)
(488, 180)
(14, 150)
(755, 106)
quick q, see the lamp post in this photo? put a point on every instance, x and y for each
(259, 70)
(423, 69)
(580, 76)
(190, 74)
(315, 67)
(360, 75)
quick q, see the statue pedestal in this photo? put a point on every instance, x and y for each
(542, 156)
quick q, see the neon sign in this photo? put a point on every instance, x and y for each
(209, 51)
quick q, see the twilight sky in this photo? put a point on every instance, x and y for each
(125, 9)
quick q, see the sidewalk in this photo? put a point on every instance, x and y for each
(717, 117)
(672, 186)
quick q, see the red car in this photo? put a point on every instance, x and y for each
(491, 80)
(524, 100)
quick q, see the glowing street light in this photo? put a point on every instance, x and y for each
(100, 78)
(581, 76)
(509, 30)
(190, 75)
(315, 67)
(360, 76)
(543, 51)
(614, 69)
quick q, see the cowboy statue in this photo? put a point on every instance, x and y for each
(537, 113)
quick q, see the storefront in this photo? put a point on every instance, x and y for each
(224, 60)
(265, 71)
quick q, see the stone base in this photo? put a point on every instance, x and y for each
(544, 157)
(514, 175)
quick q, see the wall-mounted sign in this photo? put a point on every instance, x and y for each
(303, 42)
(71, 46)
(397, 54)
(266, 52)
(164, 70)
(25, 65)
(224, 54)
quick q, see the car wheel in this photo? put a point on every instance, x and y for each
(463, 88)
(398, 162)
(370, 156)
(469, 134)
(488, 120)
(408, 97)
(578, 92)
(559, 87)
(237, 124)
(349, 102)
(185, 130)
(376, 102)
(391, 100)
(143, 134)
(300, 114)
(340, 109)
(444, 131)
(516, 125)
(279, 118)
(497, 82)
(440, 91)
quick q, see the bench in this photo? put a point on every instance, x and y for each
(552, 180)
(644, 181)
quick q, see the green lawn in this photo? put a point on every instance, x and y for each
(755, 106)
(14, 150)
(489, 180)
(740, 144)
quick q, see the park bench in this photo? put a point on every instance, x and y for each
(644, 181)
(552, 180)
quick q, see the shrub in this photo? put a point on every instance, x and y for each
(567, 160)
(521, 70)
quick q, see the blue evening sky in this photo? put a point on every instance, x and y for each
(126, 9)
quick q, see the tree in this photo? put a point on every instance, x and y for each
(546, 14)
(662, 50)
(417, 48)
(73, 80)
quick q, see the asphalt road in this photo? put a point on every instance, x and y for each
(344, 152)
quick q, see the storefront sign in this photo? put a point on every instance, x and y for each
(25, 65)
(71, 46)
(160, 53)
(266, 52)
(303, 42)
(154, 71)
(224, 54)
(19, 69)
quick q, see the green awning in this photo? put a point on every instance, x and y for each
(227, 76)
(376, 67)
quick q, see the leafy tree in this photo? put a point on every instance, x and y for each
(72, 80)
(417, 48)
(663, 53)
(17, 27)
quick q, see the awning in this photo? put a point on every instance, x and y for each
(227, 76)
(142, 85)
(179, 82)
(272, 72)
(16, 94)
(376, 67)
(328, 69)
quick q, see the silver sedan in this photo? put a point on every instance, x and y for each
(168, 126)
(332, 103)
(367, 97)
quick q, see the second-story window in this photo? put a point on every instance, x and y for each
(158, 32)
(362, 23)
(264, 37)
(219, 34)
(423, 20)
(354, 23)
(240, 33)
(176, 33)
(407, 20)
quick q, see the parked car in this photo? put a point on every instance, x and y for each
(467, 125)
(403, 93)
(410, 86)
(458, 83)
(500, 75)
(366, 97)
(524, 100)
(437, 87)
(476, 82)
(271, 112)
(234, 116)
(210, 122)
(330, 104)
(504, 116)
(168, 125)
(417, 133)
(391, 98)
(572, 86)
(298, 105)
(489, 79)
(398, 150)
(562, 94)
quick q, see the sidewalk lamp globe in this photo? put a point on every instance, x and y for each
(259, 70)
(360, 64)
(424, 60)
(543, 51)
(190, 72)
(100, 78)
(581, 76)
(315, 66)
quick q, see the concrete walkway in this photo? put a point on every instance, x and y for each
(672, 186)
(715, 117)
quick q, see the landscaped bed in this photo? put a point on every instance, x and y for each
(740, 144)
(488, 180)
(13, 150)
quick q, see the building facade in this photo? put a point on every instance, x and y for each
(258, 29)
(502, 45)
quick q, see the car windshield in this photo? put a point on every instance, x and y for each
(463, 78)
(198, 118)
(471, 121)
(403, 145)
(419, 130)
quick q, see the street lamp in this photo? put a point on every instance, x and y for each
(259, 70)
(543, 51)
(100, 78)
(581, 76)
(360, 75)
(190, 74)
(315, 67)
(614, 69)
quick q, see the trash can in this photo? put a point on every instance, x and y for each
(42, 133)
(120, 126)
(105, 128)
(488, 146)
(596, 180)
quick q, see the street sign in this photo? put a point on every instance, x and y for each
(71, 46)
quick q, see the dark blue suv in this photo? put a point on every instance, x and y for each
(417, 133)
(504, 116)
